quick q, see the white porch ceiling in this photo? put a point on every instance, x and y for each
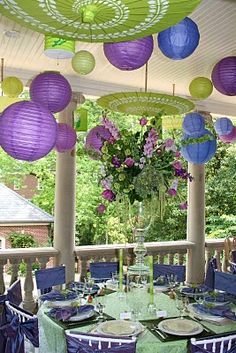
(216, 20)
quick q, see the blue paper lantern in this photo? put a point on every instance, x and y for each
(199, 153)
(179, 41)
(193, 123)
(223, 126)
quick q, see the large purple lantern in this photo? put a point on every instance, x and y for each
(229, 138)
(199, 153)
(223, 126)
(224, 76)
(27, 131)
(66, 137)
(130, 55)
(95, 140)
(52, 90)
(193, 123)
(179, 41)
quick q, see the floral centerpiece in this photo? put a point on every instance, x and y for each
(138, 165)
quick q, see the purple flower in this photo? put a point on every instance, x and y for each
(173, 189)
(108, 195)
(106, 183)
(116, 162)
(110, 126)
(150, 143)
(101, 208)
(177, 165)
(129, 162)
(177, 154)
(143, 121)
(172, 192)
(183, 206)
(169, 143)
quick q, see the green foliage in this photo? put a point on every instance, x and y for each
(22, 240)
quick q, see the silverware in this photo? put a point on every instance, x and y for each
(158, 331)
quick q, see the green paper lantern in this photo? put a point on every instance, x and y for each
(201, 88)
(83, 62)
(81, 123)
(58, 48)
(12, 86)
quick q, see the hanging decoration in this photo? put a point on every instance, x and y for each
(83, 62)
(66, 137)
(27, 131)
(130, 55)
(224, 76)
(81, 121)
(200, 88)
(52, 90)
(223, 126)
(12, 86)
(58, 48)
(229, 138)
(193, 123)
(95, 139)
(179, 41)
(98, 20)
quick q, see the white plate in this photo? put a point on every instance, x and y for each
(192, 295)
(111, 284)
(204, 316)
(162, 288)
(60, 303)
(82, 316)
(120, 328)
(180, 327)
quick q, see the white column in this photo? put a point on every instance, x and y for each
(196, 224)
(65, 197)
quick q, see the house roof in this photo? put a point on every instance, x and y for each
(16, 209)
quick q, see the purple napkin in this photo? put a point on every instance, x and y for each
(58, 295)
(194, 290)
(64, 313)
(222, 311)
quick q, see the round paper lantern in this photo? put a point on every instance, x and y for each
(66, 137)
(27, 131)
(224, 76)
(83, 62)
(199, 153)
(130, 55)
(95, 140)
(193, 123)
(12, 86)
(229, 138)
(201, 88)
(52, 90)
(58, 48)
(223, 126)
(179, 41)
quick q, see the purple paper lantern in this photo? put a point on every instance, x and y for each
(130, 55)
(224, 76)
(223, 126)
(179, 41)
(52, 90)
(95, 140)
(229, 138)
(66, 137)
(199, 153)
(193, 123)
(27, 131)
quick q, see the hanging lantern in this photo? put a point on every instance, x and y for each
(66, 137)
(193, 123)
(27, 131)
(199, 153)
(229, 138)
(179, 41)
(224, 76)
(223, 126)
(52, 90)
(81, 123)
(58, 48)
(12, 86)
(130, 55)
(201, 88)
(95, 140)
(83, 62)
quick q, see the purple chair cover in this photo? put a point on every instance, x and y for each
(74, 345)
(164, 270)
(226, 282)
(210, 273)
(198, 348)
(49, 277)
(3, 320)
(233, 265)
(103, 270)
(14, 293)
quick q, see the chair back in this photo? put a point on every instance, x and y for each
(103, 270)
(50, 277)
(224, 344)
(226, 282)
(89, 343)
(14, 293)
(3, 321)
(210, 273)
(229, 246)
(164, 270)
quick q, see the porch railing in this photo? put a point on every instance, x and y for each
(164, 252)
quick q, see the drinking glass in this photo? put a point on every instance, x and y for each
(180, 305)
(172, 280)
(100, 307)
(89, 285)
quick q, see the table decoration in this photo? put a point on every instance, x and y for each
(180, 327)
(58, 295)
(98, 20)
(151, 306)
(120, 328)
(120, 270)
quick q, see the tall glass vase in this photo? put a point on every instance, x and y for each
(140, 216)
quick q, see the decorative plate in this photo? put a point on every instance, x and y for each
(145, 103)
(82, 316)
(120, 328)
(180, 327)
(204, 316)
(98, 20)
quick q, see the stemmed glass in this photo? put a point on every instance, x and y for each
(89, 285)
(172, 280)
(180, 305)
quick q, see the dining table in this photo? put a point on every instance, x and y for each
(52, 334)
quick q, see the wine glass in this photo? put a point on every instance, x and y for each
(90, 284)
(180, 305)
(100, 307)
(172, 280)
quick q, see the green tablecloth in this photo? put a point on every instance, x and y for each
(52, 336)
